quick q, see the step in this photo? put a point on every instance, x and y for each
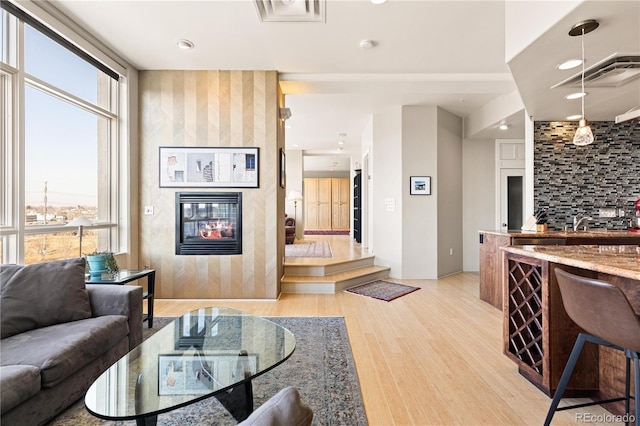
(324, 268)
(333, 283)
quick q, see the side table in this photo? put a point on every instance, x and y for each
(124, 276)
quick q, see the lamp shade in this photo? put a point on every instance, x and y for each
(584, 135)
(80, 221)
(295, 196)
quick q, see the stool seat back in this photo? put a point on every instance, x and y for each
(601, 309)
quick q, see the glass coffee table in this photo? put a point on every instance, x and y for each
(214, 351)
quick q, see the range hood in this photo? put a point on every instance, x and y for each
(634, 114)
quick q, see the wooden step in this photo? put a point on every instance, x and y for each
(324, 268)
(333, 283)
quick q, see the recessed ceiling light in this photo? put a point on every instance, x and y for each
(503, 127)
(185, 44)
(340, 142)
(574, 117)
(367, 44)
(576, 95)
(571, 63)
(295, 145)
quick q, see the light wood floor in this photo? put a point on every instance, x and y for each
(433, 357)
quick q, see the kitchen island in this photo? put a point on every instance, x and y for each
(539, 335)
(491, 257)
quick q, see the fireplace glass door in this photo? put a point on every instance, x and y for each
(208, 223)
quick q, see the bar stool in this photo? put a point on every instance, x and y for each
(607, 318)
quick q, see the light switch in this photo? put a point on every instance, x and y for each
(148, 210)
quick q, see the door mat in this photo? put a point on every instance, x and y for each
(308, 249)
(383, 290)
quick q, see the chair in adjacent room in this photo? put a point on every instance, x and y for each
(289, 230)
(604, 313)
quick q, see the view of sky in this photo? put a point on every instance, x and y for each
(60, 139)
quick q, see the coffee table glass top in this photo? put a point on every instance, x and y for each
(201, 354)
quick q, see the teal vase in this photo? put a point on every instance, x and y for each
(97, 266)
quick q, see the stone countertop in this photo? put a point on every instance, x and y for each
(621, 260)
(594, 233)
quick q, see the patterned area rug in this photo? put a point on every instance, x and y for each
(383, 290)
(321, 367)
(308, 249)
(316, 232)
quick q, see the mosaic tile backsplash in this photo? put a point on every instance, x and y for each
(573, 181)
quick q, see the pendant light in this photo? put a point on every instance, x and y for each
(583, 135)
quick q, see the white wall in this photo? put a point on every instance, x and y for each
(449, 193)
(387, 188)
(295, 166)
(478, 196)
(419, 212)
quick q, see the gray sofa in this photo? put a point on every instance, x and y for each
(58, 335)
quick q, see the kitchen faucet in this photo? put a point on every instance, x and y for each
(577, 223)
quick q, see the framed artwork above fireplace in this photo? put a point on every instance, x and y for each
(205, 167)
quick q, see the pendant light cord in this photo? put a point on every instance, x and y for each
(582, 79)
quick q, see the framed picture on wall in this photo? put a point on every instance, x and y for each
(420, 185)
(283, 169)
(205, 167)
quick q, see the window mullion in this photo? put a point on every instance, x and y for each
(66, 96)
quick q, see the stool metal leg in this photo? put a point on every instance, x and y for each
(636, 395)
(627, 387)
(566, 376)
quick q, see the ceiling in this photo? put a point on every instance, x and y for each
(445, 53)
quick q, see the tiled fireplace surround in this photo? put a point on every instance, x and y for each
(576, 181)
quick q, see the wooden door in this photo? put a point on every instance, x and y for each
(340, 203)
(317, 196)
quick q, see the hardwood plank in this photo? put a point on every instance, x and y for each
(433, 357)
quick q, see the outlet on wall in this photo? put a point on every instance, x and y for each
(607, 212)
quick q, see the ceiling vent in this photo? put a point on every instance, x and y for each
(291, 10)
(614, 71)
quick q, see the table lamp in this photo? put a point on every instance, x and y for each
(80, 222)
(295, 196)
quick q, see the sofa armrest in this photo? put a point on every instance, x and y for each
(113, 299)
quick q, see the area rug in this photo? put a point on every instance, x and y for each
(316, 232)
(383, 290)
(322, 368)
(308, 249)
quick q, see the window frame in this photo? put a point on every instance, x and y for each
(114, 193)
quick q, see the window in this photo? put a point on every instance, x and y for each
(65, 165)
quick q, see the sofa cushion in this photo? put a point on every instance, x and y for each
(18, 383)
(42, 294)
(61, 350)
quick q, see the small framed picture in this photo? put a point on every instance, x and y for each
(420, 185)
(283, 169)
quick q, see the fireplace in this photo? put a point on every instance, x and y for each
(208, 223)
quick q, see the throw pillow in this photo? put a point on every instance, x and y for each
(42, 294)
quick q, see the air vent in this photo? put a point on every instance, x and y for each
(291, 10)
(615, 71)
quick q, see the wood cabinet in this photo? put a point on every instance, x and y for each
(340, 203)
(327, 203)
(317, 203)
(492, 272)
(492, 267)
